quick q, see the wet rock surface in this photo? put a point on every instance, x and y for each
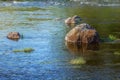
(13, 35)
(73, 20)
(82, 33)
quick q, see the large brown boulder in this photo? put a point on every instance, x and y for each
(73, 20)
(13, 35)
(82, 38)
(82, 33)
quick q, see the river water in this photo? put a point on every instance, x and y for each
(43, 29)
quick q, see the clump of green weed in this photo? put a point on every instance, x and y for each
(117, 53)
(77, 61)
(17, 50)
(112, 37)
(26, 50)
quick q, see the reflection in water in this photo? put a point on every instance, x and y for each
(83, 48)
(86, 52)
(78, 61)
(71, 25)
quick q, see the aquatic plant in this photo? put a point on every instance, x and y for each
(21, 9)
(112, 37)
(38, 19)
(77, 61)
(17, 50)
(117, 53)
(26, 50)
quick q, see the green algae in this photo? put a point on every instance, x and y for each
(78, 61)
(26, 50)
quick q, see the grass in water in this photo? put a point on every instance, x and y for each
(112, 37)
(77, 61)
(17, 50)
(26, 50)
(38, 19)
(117, 53)
(21, 9)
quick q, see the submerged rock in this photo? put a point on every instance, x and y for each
(13, 35)
(73, 20)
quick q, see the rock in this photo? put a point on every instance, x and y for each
(82, 38)
(73, 20)
(13, 35)
(82, 33)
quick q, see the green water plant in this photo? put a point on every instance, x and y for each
(112, 37)
(26, 50)
(78, 61)
(17, 50)
(117, 53)
(21, 9)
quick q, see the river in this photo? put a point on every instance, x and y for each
(42, 25)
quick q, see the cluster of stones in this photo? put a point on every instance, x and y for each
(82, 33)
(81, 37)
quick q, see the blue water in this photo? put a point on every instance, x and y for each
(43, 29)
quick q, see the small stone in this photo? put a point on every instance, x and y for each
(73, 20)
(13, 35)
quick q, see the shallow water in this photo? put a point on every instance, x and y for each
(43, 28)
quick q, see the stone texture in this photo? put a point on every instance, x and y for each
(82, 33)
(13, 35)
(73, 20)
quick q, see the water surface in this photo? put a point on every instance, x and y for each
(43, 28)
